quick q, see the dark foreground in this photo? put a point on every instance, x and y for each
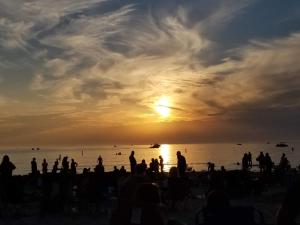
(89, 199)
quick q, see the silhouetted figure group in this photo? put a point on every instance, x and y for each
(265, 163)
(154, 165)
(247, 161)
(145, 195)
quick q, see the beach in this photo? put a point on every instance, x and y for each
(30, 210)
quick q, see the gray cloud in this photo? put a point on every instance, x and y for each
(90, 57)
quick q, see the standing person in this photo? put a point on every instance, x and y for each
(245, 162)
(249, 159)
(161, 163)
(44, 166)
(100, 160)
(144, 165)
(99, 169)
(261, 161)
(7, 186)
(34, 170)
(6, 167)
(132, 162)
(55, 167)
(181, 164)
(73, 166)
(156, 166)
(65, 164)
(283, 165)
(268, 163)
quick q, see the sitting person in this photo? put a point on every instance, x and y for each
(219, 211)
(178, 187)
(147, 209)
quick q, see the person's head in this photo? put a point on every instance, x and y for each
(122, 167)
(178, 153)
(132, 152)
(33, 159)
(160, 157)
(173, 172)
(267, 154)
(143, 161)
(283, 154)
(72, 160)
(5, 159)
(115, 167)
(44, 160)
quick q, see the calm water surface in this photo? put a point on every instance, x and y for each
(197, 155)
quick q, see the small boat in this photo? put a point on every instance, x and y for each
(155, 145)
(239, 144)
(282, 145)
(118, 153)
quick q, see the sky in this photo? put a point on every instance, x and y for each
(93, 71)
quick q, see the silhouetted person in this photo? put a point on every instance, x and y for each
(65, 164)
(116, 171)
(122, 171)
(55, 167)
(250, 159)
(34, 169)
(245, 162)
(290, 207)
(261, 161)
(144, 165)
(268, 163)
(132, 162)
(156, 166)
(181, 164)
(161, 163)
(100, 160)
(44, 166)
(283, 165)
(6, 167)
(7, 187)
(151, 165)
(99, 169)
(210, 167)
(73, 166)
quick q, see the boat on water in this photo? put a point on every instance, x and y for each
(238, 144)
(155, 145)
(282, 145)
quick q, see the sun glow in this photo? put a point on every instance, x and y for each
(165, 152)
(163, 106)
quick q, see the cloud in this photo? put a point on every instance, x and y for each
(89, 58)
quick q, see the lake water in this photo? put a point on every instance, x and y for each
(197, 155)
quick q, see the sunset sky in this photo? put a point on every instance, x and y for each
(143, 71)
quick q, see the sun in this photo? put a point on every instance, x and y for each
(162, 106)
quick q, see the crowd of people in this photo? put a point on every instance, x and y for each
(145, 187)
(265, 163)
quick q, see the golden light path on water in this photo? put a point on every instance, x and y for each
(165, 152)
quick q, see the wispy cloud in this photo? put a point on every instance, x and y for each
(87, 58)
